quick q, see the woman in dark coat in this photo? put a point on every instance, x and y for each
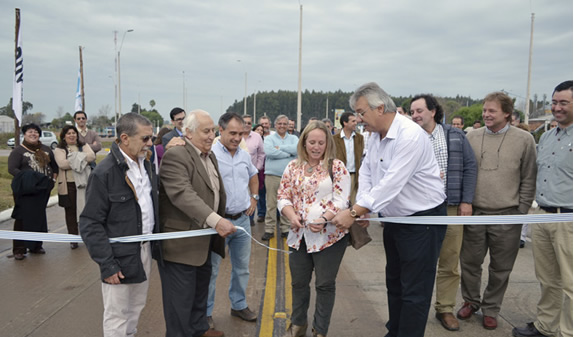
(34, 169)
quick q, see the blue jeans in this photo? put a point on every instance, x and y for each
(261, 204)
(239, 244)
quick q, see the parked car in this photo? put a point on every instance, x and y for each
(48, 138)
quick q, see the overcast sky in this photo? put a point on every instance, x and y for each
(443, 47)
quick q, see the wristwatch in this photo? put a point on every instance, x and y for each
(354, 213)
(255, 196)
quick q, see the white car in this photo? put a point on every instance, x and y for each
(48, 138)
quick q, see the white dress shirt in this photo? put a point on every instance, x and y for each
(400, 175)
(350, 150)
(140, 180)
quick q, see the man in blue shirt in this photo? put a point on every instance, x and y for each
(241, 184)
(280, 148)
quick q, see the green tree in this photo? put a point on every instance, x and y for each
(36, 118)
(59, 123)
(153, 116)
(470, 114)
(7, 110)
(152, 103)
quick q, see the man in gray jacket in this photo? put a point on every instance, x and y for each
(458, 171)
(123, 199)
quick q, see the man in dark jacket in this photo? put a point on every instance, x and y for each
(123, 200)
(349, 149)
(458, 170)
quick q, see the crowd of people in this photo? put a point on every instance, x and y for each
(311, 188)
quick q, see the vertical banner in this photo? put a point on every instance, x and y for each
(338, 113)
(17, 88)
(79, 106)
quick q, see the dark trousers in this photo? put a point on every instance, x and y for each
(412, 253)
(326, 265)
(184, 290)
(261, 204)
(20, 246)
(71, 214)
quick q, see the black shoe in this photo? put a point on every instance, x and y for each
(267, 236)
(74, 245)
(522, 243)
(285, 234)
(528, 331)
(38, 251)
(260, 219)
(19, 256)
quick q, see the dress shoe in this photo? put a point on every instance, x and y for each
(267, 236)
(489, 322)
(528, 331)
(210, 322)
(38, 251)
(315, 334)
(522, 243)
(466, 311)
(213, 333)
(448, 321)
(297, 330)
(245, 314)
(19, 256)
(74, 245)
(260, 219)
(284, 235)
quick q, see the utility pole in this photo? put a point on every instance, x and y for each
(527, 108)
(300, 52)
(82, 80)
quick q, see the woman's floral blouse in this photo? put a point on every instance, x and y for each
(311, 197)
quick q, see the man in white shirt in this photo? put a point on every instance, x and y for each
(399, 177)
(349, 149)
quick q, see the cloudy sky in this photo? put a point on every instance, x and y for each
(445, 47)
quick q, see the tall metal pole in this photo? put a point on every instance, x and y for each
(245, 96)
(327, 109)
(119, 72)
(16, 124)
(300, 52)
(255, 107)
(116, 77)
(527, 109)
(82, 80)
(184, 103)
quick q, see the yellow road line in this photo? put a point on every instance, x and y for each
(268, 311)
(288, 294)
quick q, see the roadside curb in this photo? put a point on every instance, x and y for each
(7, 213)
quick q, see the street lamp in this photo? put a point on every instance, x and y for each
(118, 67)
(245, 94)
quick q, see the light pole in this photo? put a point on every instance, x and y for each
(245, 94)
(118, 69)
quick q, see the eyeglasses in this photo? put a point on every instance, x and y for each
(561, 103)
(359, 113)
(179, 119)
(80, 118)
(146, 139)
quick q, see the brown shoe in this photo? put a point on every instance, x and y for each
(448, 321)
(19, 256)
(245, 314)
(489, 322)
(213, 333)
(466, 311)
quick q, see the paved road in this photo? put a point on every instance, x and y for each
(58, 294)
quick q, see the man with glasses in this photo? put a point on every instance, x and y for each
(86, 136)
(123, 201)
(552, 242)
(399, 176)
(177, 116)
(505, 185)
(280, 148)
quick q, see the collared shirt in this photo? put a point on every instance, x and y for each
(440, 150)
(83, 132)
(399, 175)
(213, 218)
(235, 171)
(180, 133)
(255, 147)
(140, 180)
(554, 179)
(350, 150)
(501, 131)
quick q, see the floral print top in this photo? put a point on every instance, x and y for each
(311, 197)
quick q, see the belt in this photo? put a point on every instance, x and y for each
(233, 216)
(556, 209)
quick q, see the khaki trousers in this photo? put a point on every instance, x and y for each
(354, 188)
(552, 250)
(448, 277)
(272, 186)
(502, 243)
(123, 303)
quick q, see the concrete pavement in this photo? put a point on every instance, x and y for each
(58, 294)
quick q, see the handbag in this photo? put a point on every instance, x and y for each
(358, 235)
(64, 200)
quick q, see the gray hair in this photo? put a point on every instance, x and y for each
(129, 123)
(375, 96)
(280, 117)
(327, 120)
(191, 122)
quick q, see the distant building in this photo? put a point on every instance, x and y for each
(6, 124)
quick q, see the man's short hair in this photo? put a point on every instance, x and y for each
(506, 103)
(227, 117)
(191, 122)
(459, 117)
(327, 120)
(344, 119)
(247, 116)
(174, 112)
(516, 115)
(80, 112)
(477, 121)
(280, 117)
(432, 104)
(566, 85)
(375, 96)
(129, 123)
